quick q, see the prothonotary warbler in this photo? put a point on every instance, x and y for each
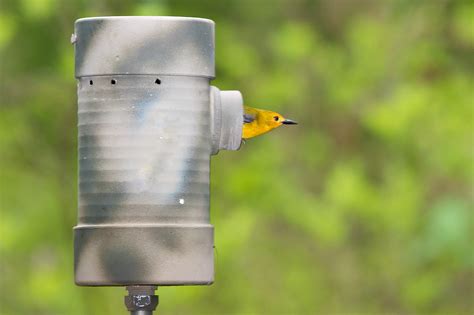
(259, 121)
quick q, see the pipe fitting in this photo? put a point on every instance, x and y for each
(148, 123)
(227, 114)
(141, 299)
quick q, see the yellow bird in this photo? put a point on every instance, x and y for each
(259, 121)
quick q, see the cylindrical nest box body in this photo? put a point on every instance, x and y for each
(148, 123)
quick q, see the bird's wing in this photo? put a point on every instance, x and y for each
(248, 118)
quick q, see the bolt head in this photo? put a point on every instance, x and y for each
(141, 300)
(138, 302)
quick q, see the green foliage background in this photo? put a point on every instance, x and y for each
(364, 208)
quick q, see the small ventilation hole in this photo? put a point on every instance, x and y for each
(113, 81)
(158, 81)
(91, 82)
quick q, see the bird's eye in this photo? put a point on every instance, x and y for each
(276, 118)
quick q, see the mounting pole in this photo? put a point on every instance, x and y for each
(141, 300)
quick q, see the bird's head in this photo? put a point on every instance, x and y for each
(273, 120)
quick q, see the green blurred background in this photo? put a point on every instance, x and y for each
(364, 208)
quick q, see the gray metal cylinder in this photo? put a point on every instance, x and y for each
(148, 121)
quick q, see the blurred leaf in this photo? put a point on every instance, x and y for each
(463, 23)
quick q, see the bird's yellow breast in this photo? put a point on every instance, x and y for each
(252, 129)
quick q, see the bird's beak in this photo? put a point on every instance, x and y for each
(289, 122)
